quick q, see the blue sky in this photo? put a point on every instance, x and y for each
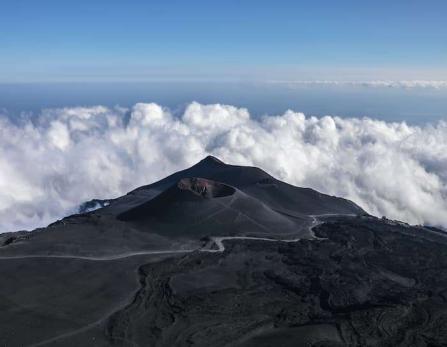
(221, 40)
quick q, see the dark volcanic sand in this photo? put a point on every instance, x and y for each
(233, 279)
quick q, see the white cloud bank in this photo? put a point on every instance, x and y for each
(49, 165)
(404, 84)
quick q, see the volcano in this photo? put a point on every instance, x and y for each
(224, 255)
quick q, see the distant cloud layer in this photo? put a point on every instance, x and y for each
(52, 163)
(405, 84)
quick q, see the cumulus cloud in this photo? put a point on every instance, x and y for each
(404, 84)
(53, 162)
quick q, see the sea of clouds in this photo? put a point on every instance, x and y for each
(52, 162)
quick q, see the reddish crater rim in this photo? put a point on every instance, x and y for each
(205, 188)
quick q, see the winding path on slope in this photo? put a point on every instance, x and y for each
(106, 258)
(218, 240)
